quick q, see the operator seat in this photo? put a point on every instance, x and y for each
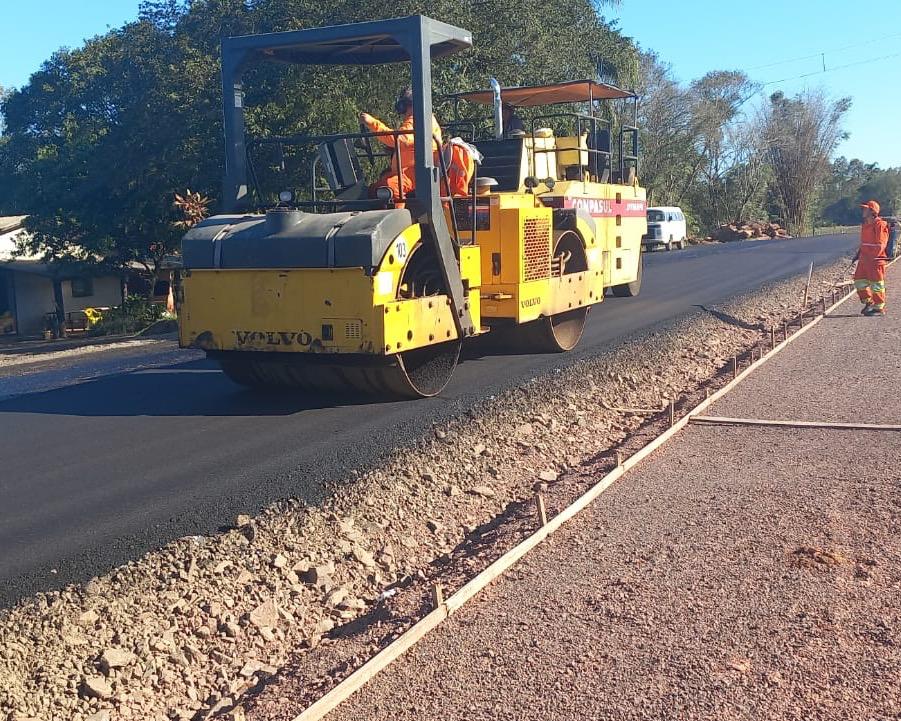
(599, 161)
(341, 168)
(502, 160)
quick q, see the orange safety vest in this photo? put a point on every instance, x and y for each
(460, 165)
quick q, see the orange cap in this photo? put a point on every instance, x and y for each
(872, 205)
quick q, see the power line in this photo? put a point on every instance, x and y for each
(832, 69)
(823, 52)
(761, 86)
(824, 70)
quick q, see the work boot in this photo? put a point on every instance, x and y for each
(871, 311)
(866, 308)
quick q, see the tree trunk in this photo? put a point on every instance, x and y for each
(60, 308)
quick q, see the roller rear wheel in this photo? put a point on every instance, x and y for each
(556, 333)
(560, 332)
(241, 371)
(418, 373)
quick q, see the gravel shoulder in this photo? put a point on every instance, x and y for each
(847, 370)
(31, 355)
(695, 588)
(740, 573)
(211, 624)
(21, 374)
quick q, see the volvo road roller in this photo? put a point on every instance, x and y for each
(330, 283)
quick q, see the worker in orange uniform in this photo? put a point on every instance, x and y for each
(460, 160)
(400, 179)
(869, 276)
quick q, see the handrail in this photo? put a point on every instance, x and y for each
(631, 157)
(301, 139)
(315, 189)
(316, 201)
(469, 124)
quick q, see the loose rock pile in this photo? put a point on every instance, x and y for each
(183, 632)
(752, 230)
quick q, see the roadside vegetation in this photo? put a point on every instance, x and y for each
(134, 315)
(96, 146)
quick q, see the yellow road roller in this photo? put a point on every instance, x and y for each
(339, 286)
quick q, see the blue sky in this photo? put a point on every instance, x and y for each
(694, 36)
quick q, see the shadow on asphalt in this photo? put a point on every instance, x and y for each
(729, 319)
(196, 388)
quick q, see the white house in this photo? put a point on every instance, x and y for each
(33, 292)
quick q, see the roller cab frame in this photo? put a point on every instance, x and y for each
(367, 295)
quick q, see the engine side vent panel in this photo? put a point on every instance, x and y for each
(536, 248)
(353, 330)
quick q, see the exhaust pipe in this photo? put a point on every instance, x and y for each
(498, 110)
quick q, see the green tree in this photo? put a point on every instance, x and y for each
(3, 94)
(801, 134)
(731, 174)
(103, 136)
(669, 153)
(885, 187)
(837, 200)
(701, 151)
(99, 140)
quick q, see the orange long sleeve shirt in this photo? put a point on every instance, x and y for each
(405, 142)
(873, 239)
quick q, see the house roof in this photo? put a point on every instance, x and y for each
(8, 223)
(33, 267)
(49, 270)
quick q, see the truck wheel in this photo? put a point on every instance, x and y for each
(630, 290)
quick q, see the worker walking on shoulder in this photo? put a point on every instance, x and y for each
(869, 276)
(401, 174)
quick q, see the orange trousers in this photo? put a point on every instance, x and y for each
(869, 281)
(400, 185)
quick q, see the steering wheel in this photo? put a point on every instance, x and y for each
(366, 143)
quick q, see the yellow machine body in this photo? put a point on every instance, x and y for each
(320, 310)
(509, 274)
(520, 281)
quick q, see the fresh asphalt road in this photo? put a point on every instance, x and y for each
(96, 472)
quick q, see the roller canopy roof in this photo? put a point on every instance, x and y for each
(370, 43)
(574, 91)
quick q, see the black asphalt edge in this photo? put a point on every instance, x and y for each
(79, 569)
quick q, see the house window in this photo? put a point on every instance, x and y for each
(82, 287)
